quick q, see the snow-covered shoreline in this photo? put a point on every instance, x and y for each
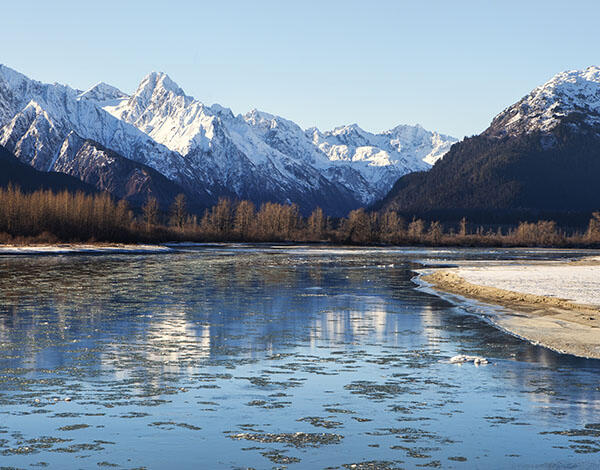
(556, 305)
(73, 248)
(577, 283)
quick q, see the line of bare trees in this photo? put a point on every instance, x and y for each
(63, 216)
(243, 221)
(46, 216)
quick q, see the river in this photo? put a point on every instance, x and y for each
(242, 356)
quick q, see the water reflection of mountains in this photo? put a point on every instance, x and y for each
(182, 311)
(247, 302)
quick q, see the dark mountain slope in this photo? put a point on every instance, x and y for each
(12, 171)
(493, 180)
(540, 158)
(510, 173)
(123, 178)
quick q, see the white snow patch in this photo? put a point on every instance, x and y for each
(462, 358)
(565, 93)
(576, 283)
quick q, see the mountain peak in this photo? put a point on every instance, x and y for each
(347, 129)
(102, 92)
(158, 83)
(221, 111)
(572, 91)
(256, 117)
(573, 82)
(405, 128)
(593, 70)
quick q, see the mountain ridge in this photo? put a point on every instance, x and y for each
(204, 149)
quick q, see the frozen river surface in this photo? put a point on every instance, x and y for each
(269, 357)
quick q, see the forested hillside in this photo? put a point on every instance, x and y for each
(505, 180)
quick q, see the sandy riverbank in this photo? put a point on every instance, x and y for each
(73, 248)
(556, 305)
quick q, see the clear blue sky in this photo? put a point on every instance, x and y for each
(448, 65)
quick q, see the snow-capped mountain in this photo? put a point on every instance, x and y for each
(539, 158)
(367, 163)
(567, 93)
(208, 150)
(225, 150)
(103, 94)
(126, 179)
(37, 117)
(288, 138)
(381, 158)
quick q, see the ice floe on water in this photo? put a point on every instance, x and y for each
(462, 358)
(77, 248)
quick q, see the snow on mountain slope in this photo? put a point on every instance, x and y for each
(287, 137)
(368, 164)
(103, 93)
(15, 92)
(405, 146)
(382, 158)
(207, 149)
(37, 117)
(107, 170)
(33, 136)
(226, 149)
(575, 91)
(160, 109)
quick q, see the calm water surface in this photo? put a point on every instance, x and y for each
(271, 357)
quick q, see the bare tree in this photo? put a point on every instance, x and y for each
(244, 219)
(316, 224)
(150, 210)
(179, 211)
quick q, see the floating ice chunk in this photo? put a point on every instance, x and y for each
(461, 359)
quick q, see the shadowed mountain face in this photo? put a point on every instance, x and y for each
(539, 158)
(104, 169)
(14, 172)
